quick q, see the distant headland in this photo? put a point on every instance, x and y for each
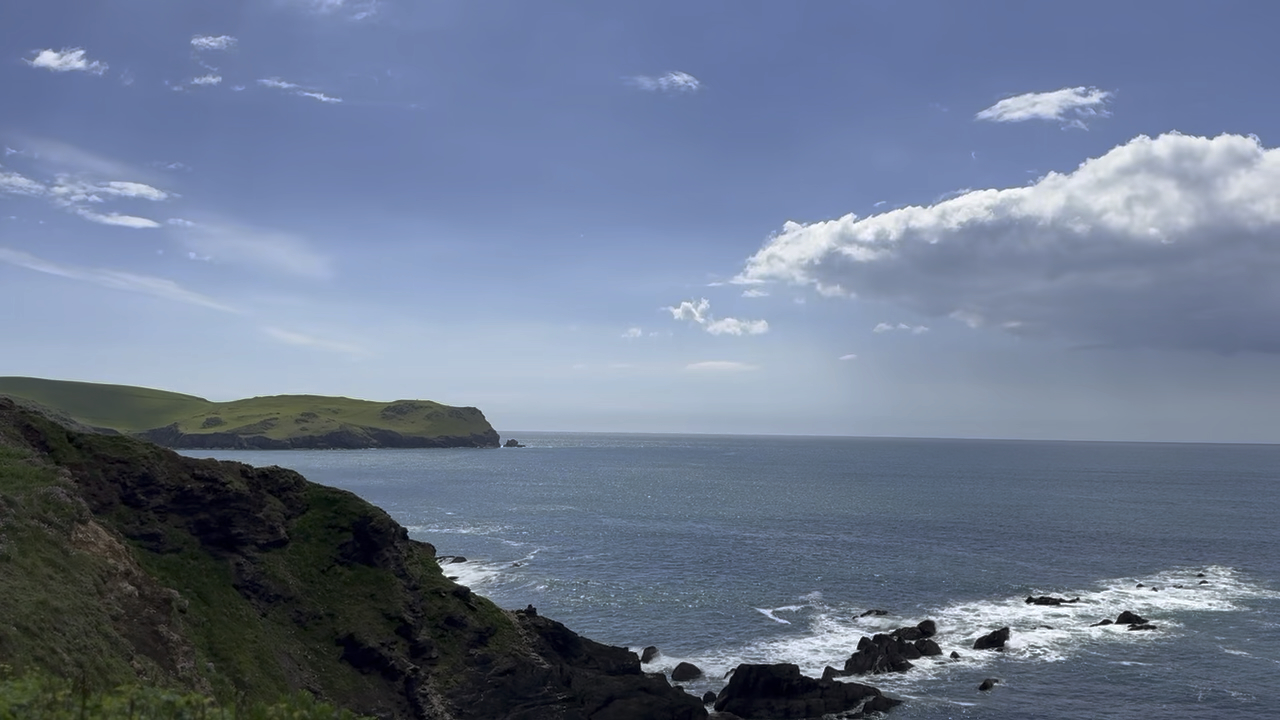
(277, 422)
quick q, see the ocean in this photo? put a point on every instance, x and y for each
(721, 550)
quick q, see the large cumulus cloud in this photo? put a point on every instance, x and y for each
(1165, 242)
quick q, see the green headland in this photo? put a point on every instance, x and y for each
(272, 422)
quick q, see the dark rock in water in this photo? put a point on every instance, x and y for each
(708, 697)
(928, 648)
(512, 443)
(908, 633)
(686, 671)
(648, 654)
(1044, 627)
(1139, 585)
(1199, 574)
(1155, 589)
(780, 691)
(880, 654)
(874, 612)
(988, 684)
(1143, 626)
(927, 628)
(1204, 582)
(955, 655)
(1050, 600)
(1128, 618)
(1100, 624)
(994, 640)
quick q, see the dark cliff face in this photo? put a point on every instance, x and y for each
(253, 582)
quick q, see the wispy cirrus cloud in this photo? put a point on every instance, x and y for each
(257, 248)
(1069, 106)
(82, 198)
(699, 313)
(66, 60)
(351, 9)
(275, 83)
(672, 82)
(298, 339)
(1166, 242)
(115, 280)
(721, 366)
(202, 43)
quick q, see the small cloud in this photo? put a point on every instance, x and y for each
(179, 222)
(890, 327)
(720, 366)
(12, 183)
(66, 60)
(672, 82)
(199, 258)
(755, 293)
(882, 203)
(209, 42)
(699, 313)
(276, 83)
(116, 219)
(850, 356)
(357, 9)
(1069, 106)
(634, 332)
(320, 96)
(209, 79)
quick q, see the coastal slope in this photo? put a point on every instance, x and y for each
(273, 422)
(123, 562)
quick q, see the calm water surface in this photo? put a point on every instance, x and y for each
(721, 550)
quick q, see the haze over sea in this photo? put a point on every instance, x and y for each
(728, 549)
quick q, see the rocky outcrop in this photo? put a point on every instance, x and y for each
(891, 652)
(685, 672)
(780, 691)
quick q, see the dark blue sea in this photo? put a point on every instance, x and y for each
(722, 550)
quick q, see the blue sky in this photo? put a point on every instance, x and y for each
(867, 217)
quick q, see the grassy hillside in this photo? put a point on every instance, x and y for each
(126, 564)
(180, 420)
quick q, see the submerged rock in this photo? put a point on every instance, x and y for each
(1128, 618)
(988, 684)
(1050, 600)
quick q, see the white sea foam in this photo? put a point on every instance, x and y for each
(1039, 633)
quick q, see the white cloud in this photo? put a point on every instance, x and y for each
(179, 222)
(210, 79)
(699, 313)
(12, 183)
(1165, 242)
(210, 42)
(116, 219)
(355, 9)
(277, 84)
(672, 82)
(114, 279)
(634, 332)
(290, 337)
(734, 326)
(890, 327)
(77, 191)
(1070, 106)
(66, 60)
(755, 293)
(262, 249)
(850, 356)
(320, 96)
(720, 366)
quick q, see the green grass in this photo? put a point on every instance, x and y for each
(133, 410)
(39, 695)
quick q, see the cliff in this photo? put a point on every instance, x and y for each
(123, 562)
(271, 422)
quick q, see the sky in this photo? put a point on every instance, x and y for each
(924, 218)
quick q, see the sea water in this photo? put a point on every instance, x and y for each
(721, 550)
